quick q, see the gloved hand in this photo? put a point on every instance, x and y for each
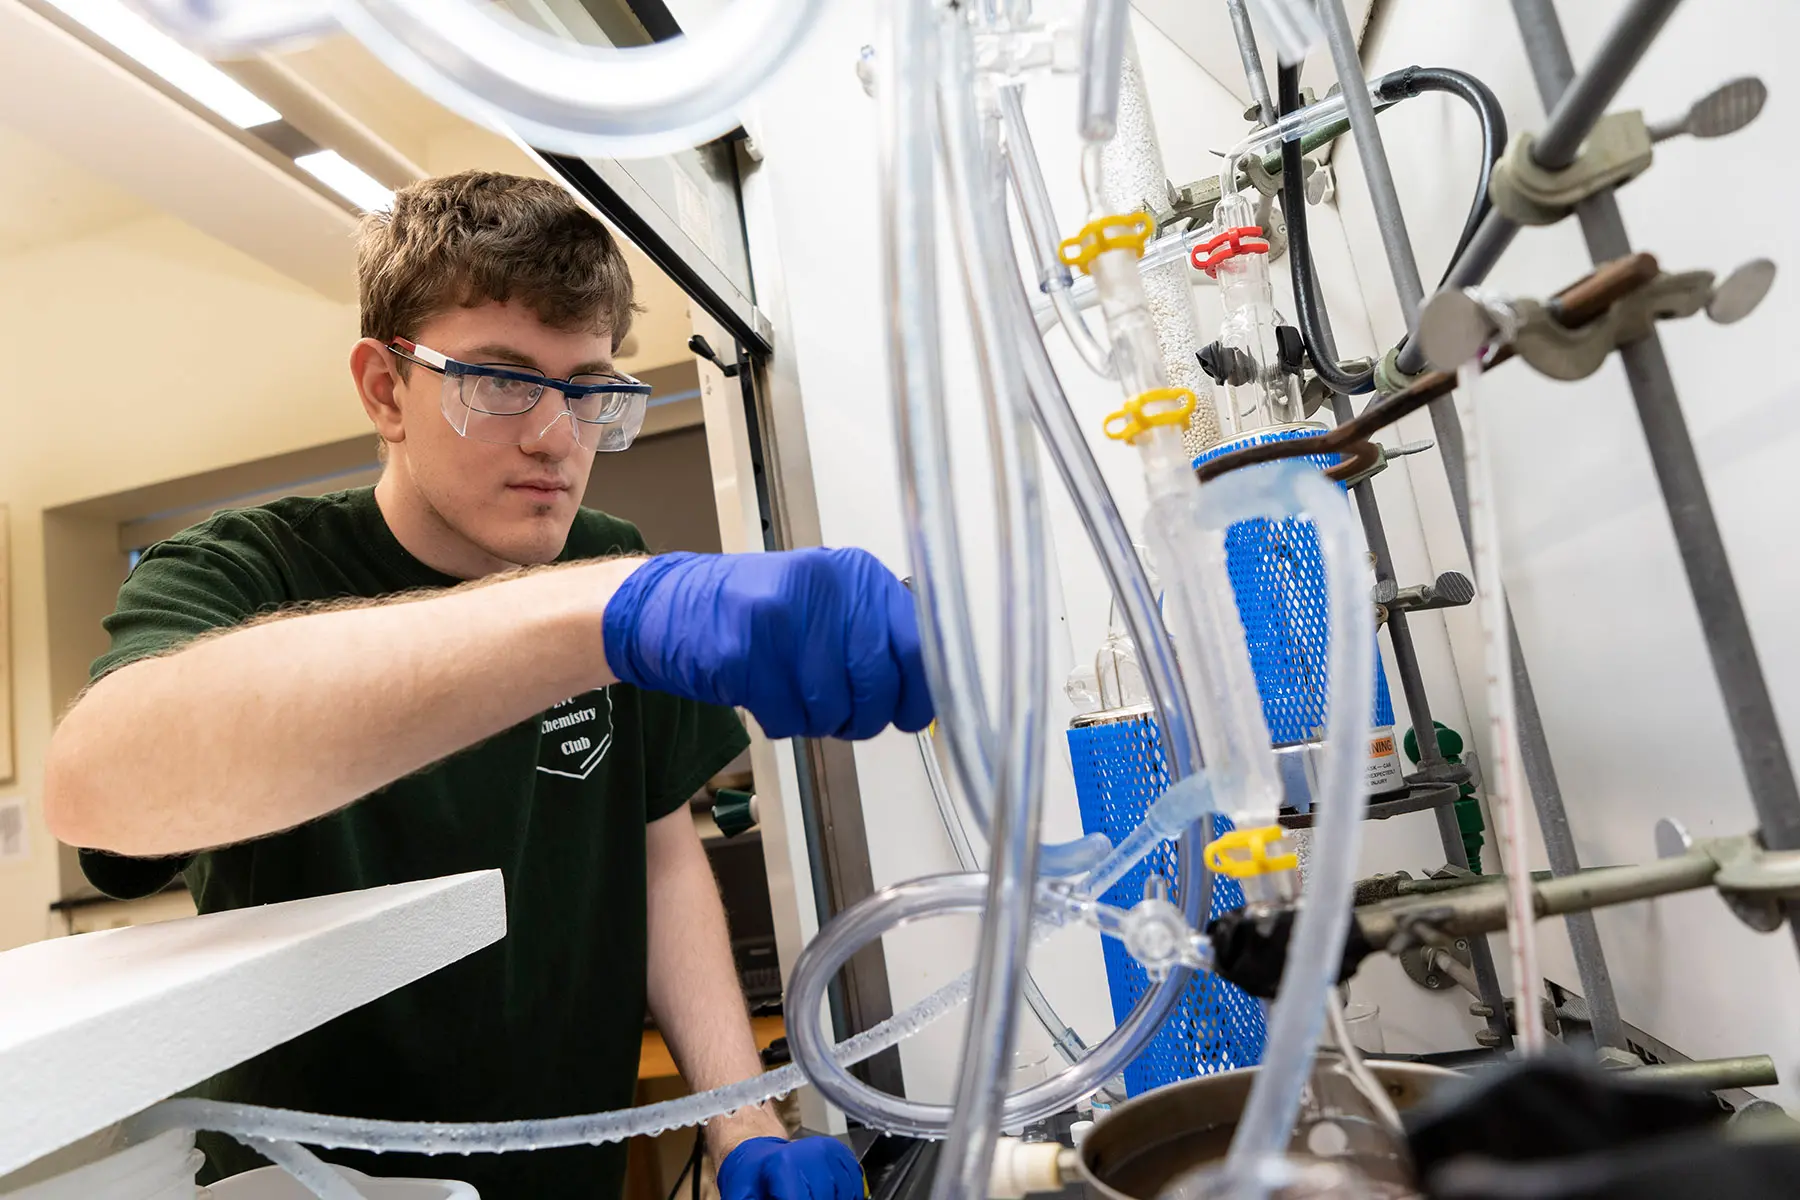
(772, 1168)
(815, 643)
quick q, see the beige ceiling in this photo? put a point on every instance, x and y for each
(46, 199)
(441, 142)
(358, 83)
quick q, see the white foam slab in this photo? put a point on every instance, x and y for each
(97, 1027)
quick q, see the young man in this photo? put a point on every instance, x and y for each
(394, 683)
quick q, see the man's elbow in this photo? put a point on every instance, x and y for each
(83, 770)
(73, 811)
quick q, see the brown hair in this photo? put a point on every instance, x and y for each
(482, 236)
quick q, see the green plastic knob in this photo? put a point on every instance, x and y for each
(1450, 743)
(733, 811)
(1468, 809)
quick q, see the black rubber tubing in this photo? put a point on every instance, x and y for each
(1300, 264)
(1397, 86)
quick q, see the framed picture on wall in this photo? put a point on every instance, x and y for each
(6, 688)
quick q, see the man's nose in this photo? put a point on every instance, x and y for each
(556, 440)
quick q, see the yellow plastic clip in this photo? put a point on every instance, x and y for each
(1158, 406)
(1243, 853)
(1121, 231)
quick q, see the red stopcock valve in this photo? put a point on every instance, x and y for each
(1222, 247)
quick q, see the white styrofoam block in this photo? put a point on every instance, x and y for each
(273, 1183)
(97, 1027)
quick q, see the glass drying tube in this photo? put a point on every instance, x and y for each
(1260, 373)
(1200, 603)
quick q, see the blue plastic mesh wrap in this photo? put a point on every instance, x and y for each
(1119, 770)
(1278, 572)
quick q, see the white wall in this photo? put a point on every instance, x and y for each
(813, 212)
(1633, 714)
(140, 353)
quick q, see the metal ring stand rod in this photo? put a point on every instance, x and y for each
(1406, 659)
(1254, 74)
(1573, 115)
(1584, 935)
(1760, 747)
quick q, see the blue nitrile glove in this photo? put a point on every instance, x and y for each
(815, 643)
(772, 1168)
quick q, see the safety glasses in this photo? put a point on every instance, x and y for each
(495, 403)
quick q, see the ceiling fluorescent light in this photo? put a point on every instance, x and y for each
(346, 179)
(112, 22)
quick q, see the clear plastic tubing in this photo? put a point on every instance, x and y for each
(947, 635)
(244, 1121)
(1133, 172)
(1033, 196)
(890, 909)
(235, 28)
(1316, 949)
(825, 1063)
(1004, 940)
(314, 1175)
(597, 101)
(853, 928)
(1507, 792)
(836, 943)
(916, 377)
(1185, 802)
(1209, 634)
(1159, 252)
(1068, 1043)
(1137, 601)
(1103, 31)
(1136, 597)
(492, 68)
(1132, 590)
(1295, 125)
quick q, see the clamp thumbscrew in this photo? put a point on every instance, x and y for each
(703, 349)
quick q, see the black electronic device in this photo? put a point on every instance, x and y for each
(737, 863)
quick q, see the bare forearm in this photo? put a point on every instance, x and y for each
(269, 726)
(693, 984)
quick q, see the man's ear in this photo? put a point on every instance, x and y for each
(375, 370)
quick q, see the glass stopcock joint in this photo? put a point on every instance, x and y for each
(1120, 231)
(1159, 938)
(1014, 55)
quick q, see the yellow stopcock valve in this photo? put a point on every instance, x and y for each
(1158, 406)
(1121, 231)
(1244, 853)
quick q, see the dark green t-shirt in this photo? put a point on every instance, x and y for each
(546, 1022)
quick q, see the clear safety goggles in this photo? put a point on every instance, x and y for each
(495, 403)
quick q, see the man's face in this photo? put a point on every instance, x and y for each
(516, 503)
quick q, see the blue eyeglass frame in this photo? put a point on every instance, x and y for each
(443, 364)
